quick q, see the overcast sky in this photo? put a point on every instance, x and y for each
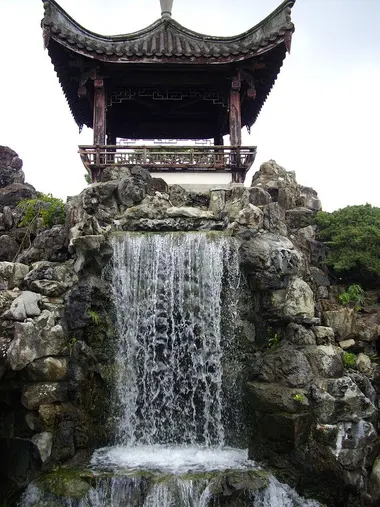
(321, 119)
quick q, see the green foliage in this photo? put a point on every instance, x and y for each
(50, 209)
(349, 360)
(94, 316)
(87, 177)
(274, 341)
(70, 345)
(352, 236)
(299, 398)
(354, 294)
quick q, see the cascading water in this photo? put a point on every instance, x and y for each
(168, 291)
(175, 299)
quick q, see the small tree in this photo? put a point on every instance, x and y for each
(352, 238)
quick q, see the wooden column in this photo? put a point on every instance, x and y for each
(235, 127)
(99, 121)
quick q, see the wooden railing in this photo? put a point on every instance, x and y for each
(164, 158)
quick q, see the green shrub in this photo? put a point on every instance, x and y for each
(50, 209)
(352, 238)
(299, 398)
(353, 295)
(349, 360)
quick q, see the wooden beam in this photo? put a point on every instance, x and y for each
(235, 127)
(99, 123)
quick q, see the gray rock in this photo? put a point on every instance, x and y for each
(141, 173)
(7, 217)
(178, 196)
(131, 191)
(48, 287)
(92, 252)
(268, 259)
(342, 321)
(310, 198)
(153, 207)
(44, 442)
(364, 365)
(347, 344)
(8, 248)
(374, 480)
(7, 156)
(237, 198)
(25, 305)
(9, 175)
(33, 340)
(48, 368)
(299, 335)
(298, 217)
(99, 201)
(258, 196)
(43, 393)
(12, 274)
(49, 245)
(251, 216)
(299, 299)
(157, 185)
(112, 173)
(326, 361)
(274, 219)
(12, 194)
(188, 212)
(272, 398)
(324, 335)
(319, 277)
(340, 399)
(286, 366)
(217, 202)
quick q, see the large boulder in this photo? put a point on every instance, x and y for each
(286, 366)
(279, 183)
(36, 339)
(49, 245)
(13, 194)
(12, 274)
(9, 248)
(48, 368)
(25, 305)
(299, 299)
(51, 278)
(131, 190)
(340, 399)
(269, 260)
(42, 393)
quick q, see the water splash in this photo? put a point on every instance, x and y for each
(168, 289)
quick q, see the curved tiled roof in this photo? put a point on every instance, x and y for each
(167, 40)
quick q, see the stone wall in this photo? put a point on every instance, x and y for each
(310, 416)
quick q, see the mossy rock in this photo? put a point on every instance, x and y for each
(64, 483)
(235, 488)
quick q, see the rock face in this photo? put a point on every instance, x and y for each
(312, 413)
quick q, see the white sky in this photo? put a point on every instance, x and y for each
(321, 119)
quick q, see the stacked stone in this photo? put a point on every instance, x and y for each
(311, 416)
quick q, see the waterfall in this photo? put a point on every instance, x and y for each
(176, 307)
(168, 293)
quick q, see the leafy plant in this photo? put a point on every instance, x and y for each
(299, 398)
(70, 345)
(352, 238)
(349, 360)
(94, 316)
(354, 294)
(50, 209)
(274, 341)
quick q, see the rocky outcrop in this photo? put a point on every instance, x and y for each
(312, 412)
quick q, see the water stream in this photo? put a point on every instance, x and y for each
(175, 298)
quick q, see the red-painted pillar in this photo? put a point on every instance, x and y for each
(235, 126)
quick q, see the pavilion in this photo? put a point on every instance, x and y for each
(168, 82)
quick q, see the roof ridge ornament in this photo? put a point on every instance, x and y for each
(166, 9)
